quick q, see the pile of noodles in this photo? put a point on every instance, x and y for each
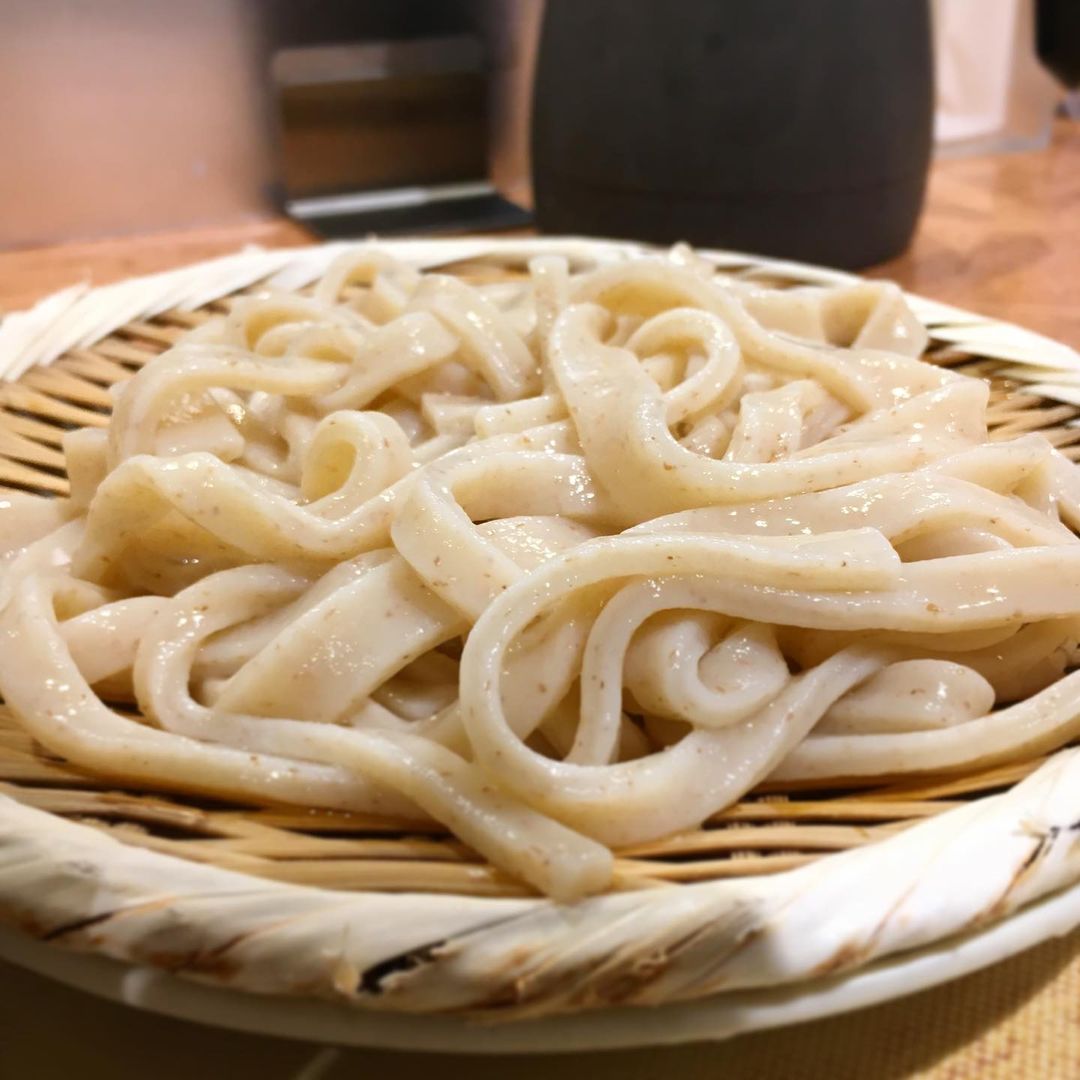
(567, 561)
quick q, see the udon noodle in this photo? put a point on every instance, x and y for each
(567, 561)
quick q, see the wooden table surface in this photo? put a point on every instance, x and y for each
(999, 235)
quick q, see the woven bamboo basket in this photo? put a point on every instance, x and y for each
(258, 897)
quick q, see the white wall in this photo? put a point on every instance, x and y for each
(120, 116)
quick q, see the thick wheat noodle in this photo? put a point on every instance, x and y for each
(565, 563)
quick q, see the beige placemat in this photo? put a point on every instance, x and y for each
(1018, 1020)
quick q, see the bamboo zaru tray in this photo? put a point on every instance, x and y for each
(403, 917)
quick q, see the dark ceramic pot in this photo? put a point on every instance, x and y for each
(797, 128)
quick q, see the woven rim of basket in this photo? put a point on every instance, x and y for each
(937, 868)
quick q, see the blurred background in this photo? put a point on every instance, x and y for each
(724, 124)
(123, 116)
